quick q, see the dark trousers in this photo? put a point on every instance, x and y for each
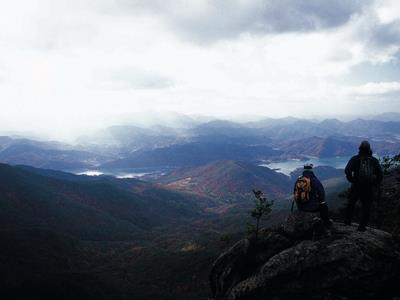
(324, 213)
(366, 195)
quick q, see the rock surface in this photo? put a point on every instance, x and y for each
(301, 260)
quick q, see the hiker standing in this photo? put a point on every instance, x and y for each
(365, 174)
(309, 194)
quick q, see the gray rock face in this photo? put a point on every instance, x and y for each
(300, 225)
(301, 260)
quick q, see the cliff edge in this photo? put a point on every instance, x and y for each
(300, 260)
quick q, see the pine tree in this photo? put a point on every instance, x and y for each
(261, 209)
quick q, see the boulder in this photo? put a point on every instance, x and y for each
(303, 225)
(301, 260)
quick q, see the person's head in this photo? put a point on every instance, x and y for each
(365, 148)
(308, 169)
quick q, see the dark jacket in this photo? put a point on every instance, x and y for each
(317, 195)
(353, 166)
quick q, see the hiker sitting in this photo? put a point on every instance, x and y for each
(365, 174)
(309, 195)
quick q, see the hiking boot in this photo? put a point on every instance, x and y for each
(328, 224)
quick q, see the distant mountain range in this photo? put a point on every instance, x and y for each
(192, 154)
(131, 138)
(333, 146)
(268, 139)
(298, 128)
(50, 155)
(322, 147)
(259, 131)
(199, 143)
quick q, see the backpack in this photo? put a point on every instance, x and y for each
(366, 170)
(302, 189)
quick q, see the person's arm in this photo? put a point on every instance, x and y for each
(378, 172)
(349, 170)
(320, 190)
(294, 195)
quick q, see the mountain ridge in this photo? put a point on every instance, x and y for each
(88, 209)
(228, 179)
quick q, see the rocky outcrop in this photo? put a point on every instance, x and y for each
(301, 260)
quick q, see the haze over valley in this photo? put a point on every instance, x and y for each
(128, 150)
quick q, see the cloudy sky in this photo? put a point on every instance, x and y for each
(70, 64)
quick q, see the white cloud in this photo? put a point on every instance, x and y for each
(69, 65)
(388, 11)
(209, 20)
(376, 88)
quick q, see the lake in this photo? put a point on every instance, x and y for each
(286, 167)
(125, 173)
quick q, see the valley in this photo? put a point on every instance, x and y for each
(145, 212)
(169, 150)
